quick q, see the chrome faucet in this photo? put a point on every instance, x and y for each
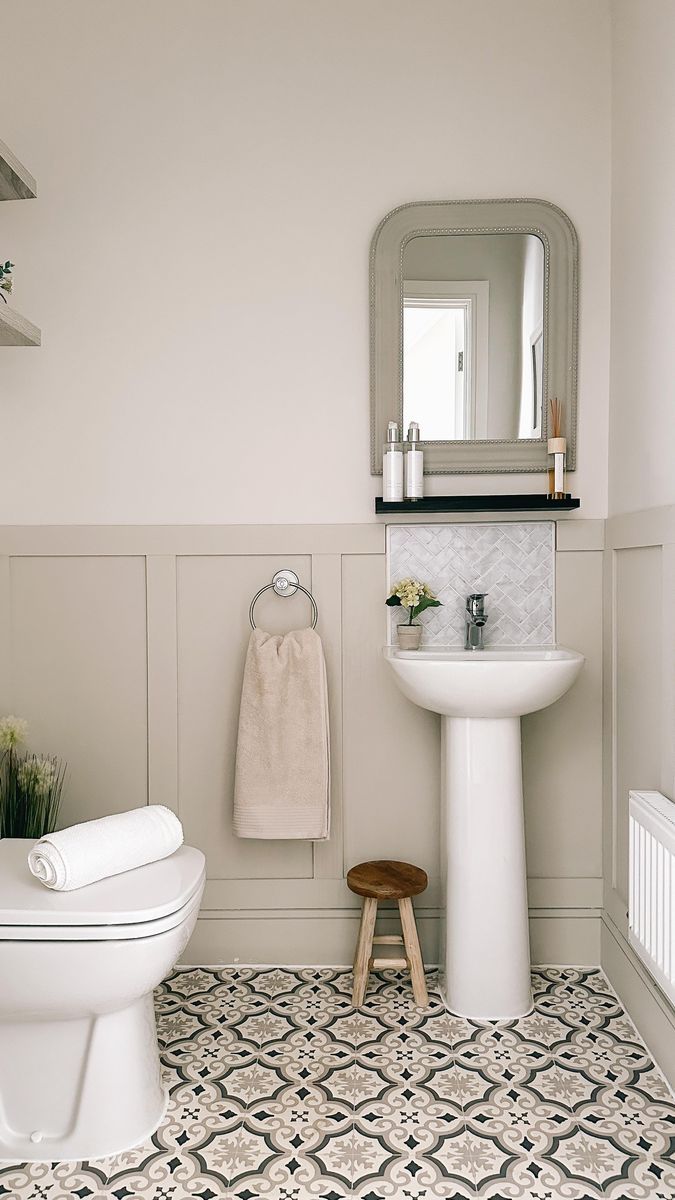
(476, 617)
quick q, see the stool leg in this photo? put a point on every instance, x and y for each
(412, 949)
(364, 948)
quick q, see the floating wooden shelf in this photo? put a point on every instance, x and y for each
(16, 330)
(16, 183)
(444, 504)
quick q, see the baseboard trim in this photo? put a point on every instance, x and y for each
(323, 938)
(565, 938)
(643, 1000)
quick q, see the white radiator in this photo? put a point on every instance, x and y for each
(651, 883)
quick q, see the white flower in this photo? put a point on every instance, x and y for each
(37, 775)
(411, 591)
(13, 732)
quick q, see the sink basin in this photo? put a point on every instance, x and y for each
(481, 696)
(485, 683)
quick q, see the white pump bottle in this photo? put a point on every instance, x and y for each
(392, 465)
(414, 464)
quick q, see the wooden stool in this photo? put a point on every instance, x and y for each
(387, 881)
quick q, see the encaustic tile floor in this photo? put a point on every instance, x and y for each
(279, 1089)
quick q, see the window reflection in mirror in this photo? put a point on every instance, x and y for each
(473, 309)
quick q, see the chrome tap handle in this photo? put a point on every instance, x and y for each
(475, 607)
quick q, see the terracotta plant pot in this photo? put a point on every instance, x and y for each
(409, 636)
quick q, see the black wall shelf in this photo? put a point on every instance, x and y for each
(445, 504)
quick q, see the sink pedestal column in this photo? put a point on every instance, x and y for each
(485, 948)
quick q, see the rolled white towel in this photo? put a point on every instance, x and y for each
(72, 858)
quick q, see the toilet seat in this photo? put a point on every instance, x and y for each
(140, 903)
(80, 1074)
(97, 933)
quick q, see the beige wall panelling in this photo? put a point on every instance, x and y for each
(562, 773)
(648, 1007)
(391, 747)
(608, 727)
(160, 572)
(290, 938)
(638, 691)
(667, 639)
(79, 674)
(565, 937)
(639, 728)
(648, 527)
(562, 750)
(566, 892)
(575, 534)
(190, 539)
(327, 591)
(5, 635)
(214, 594)
(264, 899)
(391, 780)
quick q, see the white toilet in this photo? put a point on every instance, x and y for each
(79, 1064)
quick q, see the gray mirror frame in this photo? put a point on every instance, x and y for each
(561, 286)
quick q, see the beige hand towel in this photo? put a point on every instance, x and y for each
(282, 774)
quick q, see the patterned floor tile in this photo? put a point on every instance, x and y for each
(413, 1178)
(279, 1090)
(306, 1056)
(314, 1159)
(405, 1056)
(409, 1120)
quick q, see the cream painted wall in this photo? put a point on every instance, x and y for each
(212, 169)
(642, 420)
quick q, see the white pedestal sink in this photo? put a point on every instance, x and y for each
(481, 696)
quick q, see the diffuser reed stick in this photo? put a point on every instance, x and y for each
(555, 429)
(557, 449)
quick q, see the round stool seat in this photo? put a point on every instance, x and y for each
(385, 880)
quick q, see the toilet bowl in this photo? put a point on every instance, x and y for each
(79, 1063)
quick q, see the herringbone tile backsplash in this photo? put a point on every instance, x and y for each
(513, 563)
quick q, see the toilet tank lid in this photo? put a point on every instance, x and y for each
(148, 892)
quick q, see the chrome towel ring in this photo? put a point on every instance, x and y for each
(285, 583)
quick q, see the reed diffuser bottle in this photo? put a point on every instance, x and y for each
(557, 451)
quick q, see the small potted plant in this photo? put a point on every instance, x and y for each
(416, 597)
(6, 281)
(30, 785)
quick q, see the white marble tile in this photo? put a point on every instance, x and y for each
(513, 562)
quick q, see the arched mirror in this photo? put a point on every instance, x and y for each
(473, 331)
